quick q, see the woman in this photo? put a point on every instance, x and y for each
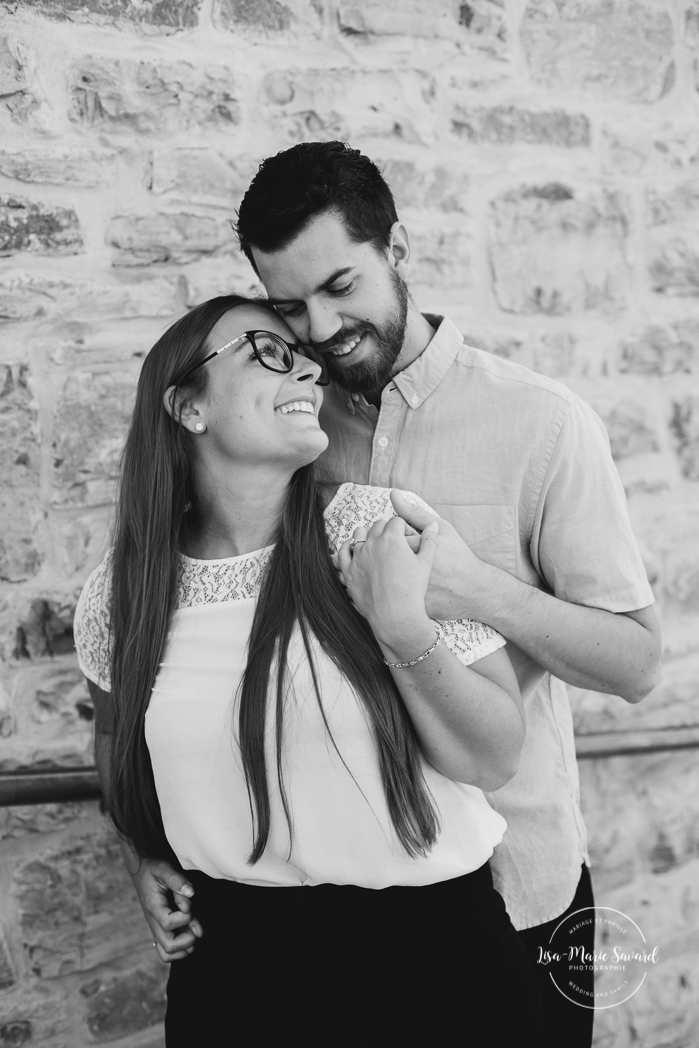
(264, 730)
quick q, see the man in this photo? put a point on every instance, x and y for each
(534, 536)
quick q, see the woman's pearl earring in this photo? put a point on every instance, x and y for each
(200, 427)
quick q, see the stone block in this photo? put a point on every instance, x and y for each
(131, 95)
(123, 1006)
(400, 18)
(631, 150)
(548, 352)
(39, 228)
(478, 26)
(16, 1034)
(13, 77)
(559, 250)
(508, 125)
(7, 972)
(83, 346)
(209, 277)
(77, 906)
(641, 813)
(20, 820)
(608, 51)
(80, 167)
(201, 175)
(158, 237)
(630, 427)
(7, 725)
(52, 728)
(662, 349)
(681, 576)
(45, 627)
(673, 240)
(27, 296)
(672, 206)
(16, 98)
(268, 18)
(420, 185)
(35, 1013)
(20, 556)
(90, 424)
(80, 541)
(349, 103)
(164, 16)
(674, 266)
(685, 428)
(443, 257)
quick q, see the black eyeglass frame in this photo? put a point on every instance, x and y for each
(322, 380)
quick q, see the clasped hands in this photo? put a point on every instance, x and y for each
(379, 572)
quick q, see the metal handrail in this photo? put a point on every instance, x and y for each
(48, 787)
(58, 785)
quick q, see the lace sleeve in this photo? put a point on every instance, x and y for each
(359, 505)
(91, 626)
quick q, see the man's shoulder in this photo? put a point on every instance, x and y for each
(516, 379)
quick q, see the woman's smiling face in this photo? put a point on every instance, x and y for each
(254, 415)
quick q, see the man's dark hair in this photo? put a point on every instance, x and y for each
(294, 186)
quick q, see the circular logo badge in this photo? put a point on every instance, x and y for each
(608, 973)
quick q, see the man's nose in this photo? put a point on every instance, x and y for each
(323, 321)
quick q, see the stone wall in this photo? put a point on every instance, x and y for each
(545, 155)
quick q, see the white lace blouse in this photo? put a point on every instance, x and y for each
(342, 832)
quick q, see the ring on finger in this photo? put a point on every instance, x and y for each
(354, 542)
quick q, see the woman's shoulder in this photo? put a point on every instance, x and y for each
(95, 592)
(358, 506)
(91, 623)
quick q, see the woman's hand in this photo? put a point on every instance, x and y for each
(165, 898)
(387, 582)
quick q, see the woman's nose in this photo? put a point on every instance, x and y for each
(305, 369)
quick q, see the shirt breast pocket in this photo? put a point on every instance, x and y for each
(490, 531)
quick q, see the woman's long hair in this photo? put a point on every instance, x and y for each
(157, 514)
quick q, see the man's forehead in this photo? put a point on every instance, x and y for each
(321, 251)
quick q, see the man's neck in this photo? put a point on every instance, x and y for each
(418, 335)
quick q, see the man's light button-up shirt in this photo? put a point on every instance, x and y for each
(521, 467)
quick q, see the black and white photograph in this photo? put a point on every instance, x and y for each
(349, 540)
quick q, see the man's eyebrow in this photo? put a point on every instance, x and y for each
(321, 287)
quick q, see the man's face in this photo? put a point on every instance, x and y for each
(344, 299)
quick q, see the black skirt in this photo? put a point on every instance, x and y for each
(342, 965)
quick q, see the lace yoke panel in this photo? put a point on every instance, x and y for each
(212, 582)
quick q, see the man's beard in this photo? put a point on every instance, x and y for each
(373, 373)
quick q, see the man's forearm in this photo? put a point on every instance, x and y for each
(586, 647)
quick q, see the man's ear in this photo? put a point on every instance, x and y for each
(183, 410)
(399, 249)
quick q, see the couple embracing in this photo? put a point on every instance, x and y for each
(354, 561)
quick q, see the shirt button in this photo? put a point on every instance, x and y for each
(383, 442)
(414, 400)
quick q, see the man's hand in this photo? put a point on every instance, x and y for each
(456, 569)
(613, 652)
(165, 896)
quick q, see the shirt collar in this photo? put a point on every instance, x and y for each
(422, 377)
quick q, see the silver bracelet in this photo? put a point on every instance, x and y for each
(404, 665)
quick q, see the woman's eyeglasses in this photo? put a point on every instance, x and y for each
(271, 350)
